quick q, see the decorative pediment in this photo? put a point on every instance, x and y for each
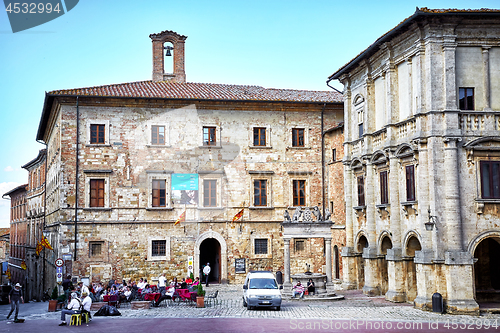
(404, 150)
(358, 99)
(356, 164)
(484, 143)
(378, 157)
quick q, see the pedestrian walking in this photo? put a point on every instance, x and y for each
(206, 271)
(15, 296)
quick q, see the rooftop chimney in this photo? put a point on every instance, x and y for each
(159, 40)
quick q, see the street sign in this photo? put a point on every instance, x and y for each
(59, 262)
(190, 264)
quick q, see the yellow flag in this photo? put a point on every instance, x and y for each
(181, 218)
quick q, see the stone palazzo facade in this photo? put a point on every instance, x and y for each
(422, 161)
(126, 161)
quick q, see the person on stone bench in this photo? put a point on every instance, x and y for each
(298, 289)
(310, 287)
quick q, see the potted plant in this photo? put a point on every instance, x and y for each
(200, 297)
(53, 300)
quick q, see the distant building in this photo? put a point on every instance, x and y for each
(4, 253)
(422, 161)
(18, 234)
(126, 161)
(35, 204)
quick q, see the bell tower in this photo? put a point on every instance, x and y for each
(160, 51)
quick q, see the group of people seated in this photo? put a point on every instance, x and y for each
(78, 304)
(168, 291)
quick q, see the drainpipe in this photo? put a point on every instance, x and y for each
(328, 84)
(44, 213)
(76, 173)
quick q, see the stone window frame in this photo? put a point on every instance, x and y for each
(268, 137)
(103, 249)
(218, 141)
(106, 124)
(149, 126)
(466, 106)
(97, 174)
(268, 177)
(218, 176)
(299, 175)
(253, 237)
(306, 136)
(408, 157)
(160, 175)
(150, 248)
(482, 149)
(359, 107)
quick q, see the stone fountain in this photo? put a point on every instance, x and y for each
(318, 279)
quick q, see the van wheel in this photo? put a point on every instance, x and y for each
(278, 308)
(244, 303)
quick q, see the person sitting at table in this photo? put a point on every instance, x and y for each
(183, 284)
(174, 283)
(113, 291)
(188, 280)
(147, 290)
(196, 281)
(127, 293)
(141, 284)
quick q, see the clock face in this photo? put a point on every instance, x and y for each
(59, 262)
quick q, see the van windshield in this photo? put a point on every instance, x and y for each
(263, 284)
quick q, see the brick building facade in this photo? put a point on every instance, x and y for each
(18, 234)
(125, 161)
(35, 205)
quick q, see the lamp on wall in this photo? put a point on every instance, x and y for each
(431, 223)
(168, 48)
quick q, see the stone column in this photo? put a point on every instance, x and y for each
(396, 290)
(348, 254)
(486, 76)
(286, 279)
(458, 263)
(450, 89)
(371, 287)
(328, 248)
(452, 216)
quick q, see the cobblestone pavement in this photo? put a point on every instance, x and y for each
(355, 306)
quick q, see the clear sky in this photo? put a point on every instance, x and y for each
(273, 43)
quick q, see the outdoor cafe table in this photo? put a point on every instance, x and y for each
(184, 294)
(152, 297)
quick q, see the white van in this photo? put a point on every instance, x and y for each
(261, 290)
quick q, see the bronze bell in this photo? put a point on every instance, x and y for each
(168, 48)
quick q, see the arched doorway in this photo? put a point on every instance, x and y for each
(487, 270)
(210, 252)
(362, 243)
(412, 245)
(385, 245)
(200, 253)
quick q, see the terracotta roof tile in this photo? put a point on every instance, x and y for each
(206, 91)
